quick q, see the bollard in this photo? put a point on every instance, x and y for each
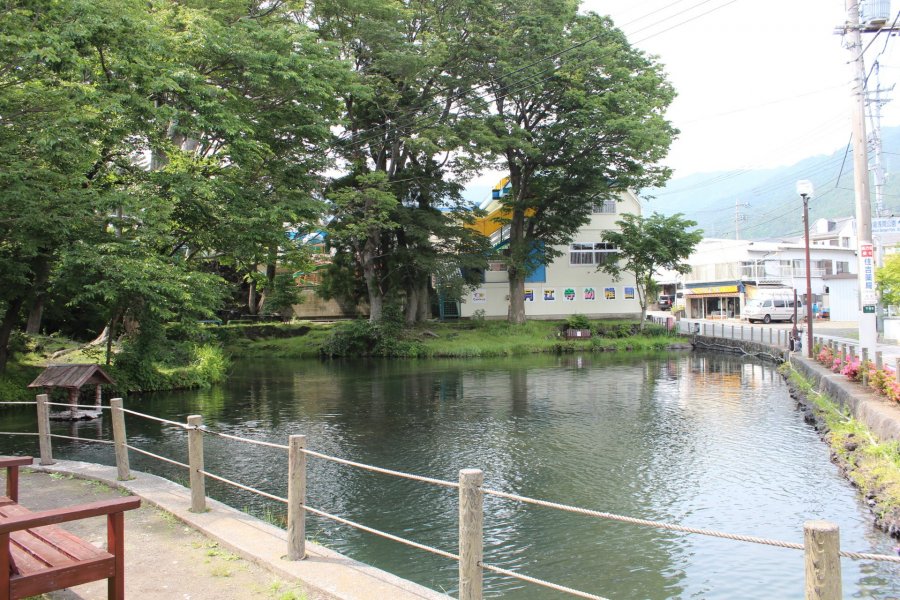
(879, 360)
(118, 426)
(43, 423)
(821, 544)
(195, 457)
(296, 518)
(897, 369)
(732, 332)
(704, 329)
(471, 524)
(864, 371)
(770, 337)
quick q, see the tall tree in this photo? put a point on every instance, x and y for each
(646, 245)
(578, 117)
(412, 116)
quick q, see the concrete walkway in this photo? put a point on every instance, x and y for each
(324, 573)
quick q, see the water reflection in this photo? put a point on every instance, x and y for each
(706, 440)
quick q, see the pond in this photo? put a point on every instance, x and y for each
(704, 440)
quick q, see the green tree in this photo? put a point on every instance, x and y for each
(888, 280)
(412, 115)
(578, 116)
(646, 245)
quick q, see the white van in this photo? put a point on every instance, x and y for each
(771, 308)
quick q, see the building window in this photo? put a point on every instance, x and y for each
(841, 266)
(591, 253)
(607, 207)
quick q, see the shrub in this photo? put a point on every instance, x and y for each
(578, 322)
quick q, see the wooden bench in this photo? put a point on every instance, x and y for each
(12, 464)
(38, 557)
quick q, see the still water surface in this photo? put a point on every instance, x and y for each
(697, 439)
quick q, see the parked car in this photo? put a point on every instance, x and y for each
(772, 308)
(665, 302)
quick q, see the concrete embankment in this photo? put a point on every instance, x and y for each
(879, 414)
(324, 572)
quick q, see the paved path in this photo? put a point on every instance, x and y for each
(222, 554)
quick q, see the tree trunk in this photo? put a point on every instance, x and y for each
(251, 294)
(6, 329)
(516, 296)
(412, 304)
(424, 304)
(36, 311)
(370, 274)
(35, 315)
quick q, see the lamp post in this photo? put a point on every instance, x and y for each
(805, 189)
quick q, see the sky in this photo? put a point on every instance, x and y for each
(760, 83)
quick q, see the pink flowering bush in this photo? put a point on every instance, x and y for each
(881, 380)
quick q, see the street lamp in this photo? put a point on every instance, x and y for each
(805, 189)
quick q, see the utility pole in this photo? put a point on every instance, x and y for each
(868, 336)
(739, 217)
(876, 102)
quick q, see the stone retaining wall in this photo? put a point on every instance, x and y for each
(879, 414)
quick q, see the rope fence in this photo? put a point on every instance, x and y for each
(383, 534)
(15, 403)
(440, 482)
(158, 457)
(85, 406)
(471, 492)
(241, 486)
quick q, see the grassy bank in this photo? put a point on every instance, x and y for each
(871, 465)
(188, 365)
(452, 340)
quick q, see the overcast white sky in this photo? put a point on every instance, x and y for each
(761, 83)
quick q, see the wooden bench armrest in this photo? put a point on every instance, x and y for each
(69, 513)
(15, 461)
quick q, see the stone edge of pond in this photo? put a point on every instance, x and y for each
(880, 416)
(324, 571)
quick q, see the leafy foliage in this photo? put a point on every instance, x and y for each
(648, 244)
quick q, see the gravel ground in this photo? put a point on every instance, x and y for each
(164, 559)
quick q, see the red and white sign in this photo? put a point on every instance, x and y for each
(866, 250)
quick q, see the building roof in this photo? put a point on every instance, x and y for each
(71, 376)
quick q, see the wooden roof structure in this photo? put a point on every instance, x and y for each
(71, 377)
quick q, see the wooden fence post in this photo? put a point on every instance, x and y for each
(897, 369)
(770, 337)
(296, 518)
(471, 524)
(821, 544)
(119, 439)
(879, 360)
(195, 457)
(43, 423)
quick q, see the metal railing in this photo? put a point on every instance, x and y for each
(820, 546)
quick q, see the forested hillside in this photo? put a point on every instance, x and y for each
(774, 207)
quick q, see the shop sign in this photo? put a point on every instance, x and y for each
(722, 289)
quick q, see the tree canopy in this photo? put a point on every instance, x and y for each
(646, 245)
(572, 131)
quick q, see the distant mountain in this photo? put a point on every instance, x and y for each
(774, 209)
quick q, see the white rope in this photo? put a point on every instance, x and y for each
(32, 403)
(157, 456)
(450, 484)
(67, 405)
(80, 439)
(204, 429)
(244, 487)
(166, 421)
(541, 582)
(17, 433)
(383, 534)
(681, 528)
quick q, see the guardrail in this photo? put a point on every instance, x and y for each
(820, 546)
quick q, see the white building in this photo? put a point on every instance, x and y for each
(725, 274)
(570, 284)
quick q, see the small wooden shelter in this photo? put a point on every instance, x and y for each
(73, 378)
